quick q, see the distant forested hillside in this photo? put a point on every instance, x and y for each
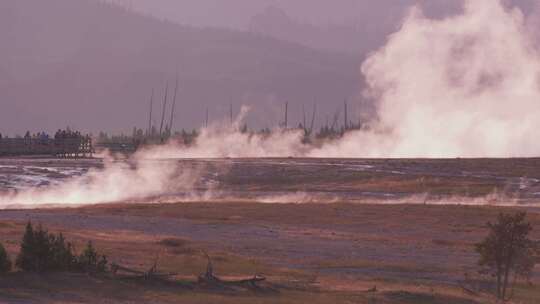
(92, 66)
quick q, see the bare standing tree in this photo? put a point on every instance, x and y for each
(173, 105)
(507, 249)
(149, 132)
(163, 112)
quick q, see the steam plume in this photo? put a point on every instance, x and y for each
(466, 86)
(117, 181)
(222, 139)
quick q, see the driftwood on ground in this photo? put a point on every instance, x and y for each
(209, 278)
(151, 273)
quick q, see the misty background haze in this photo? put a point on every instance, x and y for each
(92, 65)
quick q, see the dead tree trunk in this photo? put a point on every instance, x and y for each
(173, 105)
(149, 132)
(286, 115)
(163, 112)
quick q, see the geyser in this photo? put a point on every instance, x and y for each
(464, 86)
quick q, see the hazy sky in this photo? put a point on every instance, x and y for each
(237, 13)
(87, 60)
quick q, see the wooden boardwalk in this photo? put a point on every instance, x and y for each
(118, 147)
(78, 147)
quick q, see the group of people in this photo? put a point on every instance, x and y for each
(65, 143)
(45, 137)
(67, 134)
(42, 136)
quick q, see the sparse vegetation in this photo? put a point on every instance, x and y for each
(91, 261)
(164, 267)
(42, 251)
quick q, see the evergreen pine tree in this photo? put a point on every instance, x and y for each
(5, 262)
(90, 261)
(42, 251)
(25, 259)
(507, 249)
(62, 258)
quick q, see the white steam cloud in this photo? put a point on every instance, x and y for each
(223, 139)
(464, 86)
(117, 181)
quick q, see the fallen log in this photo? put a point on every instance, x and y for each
(468, 290)
(115, 268)
(209, 278)
(252, 281)
(147, 275)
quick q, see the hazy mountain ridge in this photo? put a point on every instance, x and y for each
(354, 39)
(366, 32)
(77, 62)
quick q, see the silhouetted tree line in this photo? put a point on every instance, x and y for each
(44, 136)
(139, 137)
(331, 132)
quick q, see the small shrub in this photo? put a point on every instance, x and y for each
(5, 262)
(90, 261)
(61, 253)
(173, 242)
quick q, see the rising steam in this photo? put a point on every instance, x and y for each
(464, 86)
(117, 181)
(223, 139)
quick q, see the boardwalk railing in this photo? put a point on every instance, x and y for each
(117, 147)
(76, 147)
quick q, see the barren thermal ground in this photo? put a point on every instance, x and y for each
(319, 230)
(514, 182)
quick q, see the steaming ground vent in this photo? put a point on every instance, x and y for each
(42, 183)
